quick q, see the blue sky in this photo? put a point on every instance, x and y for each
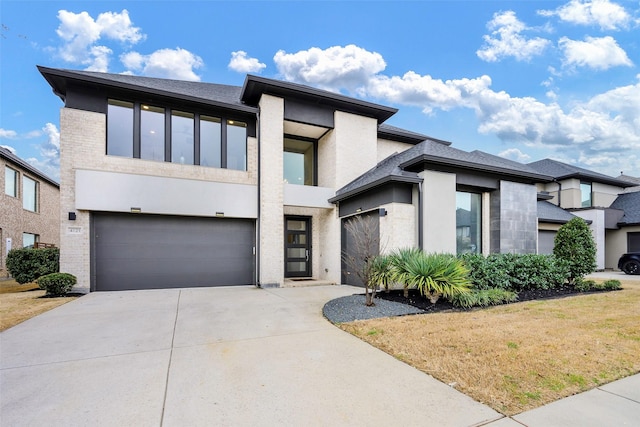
(525, 80)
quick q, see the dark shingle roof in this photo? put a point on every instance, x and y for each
(560, 170)
(12, 158)
(548, 212)
(394, 167)
(630, 204)
(209, 93)
(386, 131)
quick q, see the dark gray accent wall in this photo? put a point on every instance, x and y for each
(389, 193)
(477, 181)
(350, 247)
(514, 219)
(308, 113)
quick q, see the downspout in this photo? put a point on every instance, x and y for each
(257, 250)
(420, 216)
(559, 192)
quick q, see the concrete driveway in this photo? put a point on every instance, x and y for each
(219, 356)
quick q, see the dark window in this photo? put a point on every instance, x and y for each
(120, 128)
(157, 133)
(182, 138)
(468, 222)
(585, 194)
(299, 161)
(633, 242)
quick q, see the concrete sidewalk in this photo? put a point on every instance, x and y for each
(218, 356)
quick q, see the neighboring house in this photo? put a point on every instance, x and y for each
(29, 207)
(600, 200)
(169, 183)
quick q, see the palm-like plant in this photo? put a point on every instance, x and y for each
(381, 273)
(434, 275)
(399, 259)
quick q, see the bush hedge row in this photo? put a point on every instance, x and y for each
(26, 264)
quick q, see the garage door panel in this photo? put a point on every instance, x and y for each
(148, 252)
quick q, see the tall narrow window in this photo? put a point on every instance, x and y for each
(210, 142)
(299, 161)
(10, 182)
(236, 145)
(29, 194)
(182, 147)
(152, 133)
(585, 193)
(120, 128)
(468, 222)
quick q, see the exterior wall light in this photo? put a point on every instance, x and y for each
(136, 210)
(72, 216)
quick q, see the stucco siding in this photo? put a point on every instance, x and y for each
(597, 227)
(386, 148)
(439, 212)
(616, 245)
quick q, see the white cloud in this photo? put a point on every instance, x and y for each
(8, 147)
(8, 134)
(599, 53)
(506, 40)
(165, 63)
(49, 161)
(603, 13)
(515, 154)
(242, 64)
(331, 69)
(81, 33)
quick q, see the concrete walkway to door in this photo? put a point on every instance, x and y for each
(236, 356)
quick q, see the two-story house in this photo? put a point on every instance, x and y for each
(169, 183)
(29, 207)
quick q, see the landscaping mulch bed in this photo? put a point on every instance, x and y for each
(418, 301)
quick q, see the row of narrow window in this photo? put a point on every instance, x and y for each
(29, 188)
(192, 139)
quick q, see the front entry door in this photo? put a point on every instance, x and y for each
(297, 246)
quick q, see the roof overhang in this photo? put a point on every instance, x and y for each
(374, 184)
(59, 81)
(254, 87)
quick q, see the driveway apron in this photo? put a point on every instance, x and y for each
(230, 356)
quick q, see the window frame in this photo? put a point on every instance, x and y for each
(463, 232)
(586, 203)
(314, 142)
(36, 239)
(36, 193)
(16, 177)
(224, 120)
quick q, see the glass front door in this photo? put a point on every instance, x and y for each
(297, 246)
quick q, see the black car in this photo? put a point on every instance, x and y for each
(630, 263)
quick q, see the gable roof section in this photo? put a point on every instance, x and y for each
(17, 161)
(559, 170)
(217, 95)
(630, 204)
(548, 212)
(255, 86)
(393, 133)
(403, 167)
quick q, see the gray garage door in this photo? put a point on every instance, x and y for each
(546, 242)
(357, 247)
(133, 251)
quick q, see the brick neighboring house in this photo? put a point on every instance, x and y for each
(168, 183)
(29, 207)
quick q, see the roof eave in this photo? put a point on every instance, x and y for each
(255, 86)
(377, 183)
(49, 73)
(425, 158)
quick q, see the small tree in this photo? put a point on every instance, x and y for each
(363, 230)
(574, 245)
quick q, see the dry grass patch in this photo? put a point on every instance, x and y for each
(21, 302)
(519, 356)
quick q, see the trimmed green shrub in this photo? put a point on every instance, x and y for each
(584, 285)
(57, 283)
(26, 265)
(575, 245)
(434, 275)
(515, 272)
(612, 285)
(484, 298)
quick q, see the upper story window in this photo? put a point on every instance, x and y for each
(299, 161)
(29, 194)
(29, 240)
(10, 182)
(468, 222)
(585, 194)
(161, 134)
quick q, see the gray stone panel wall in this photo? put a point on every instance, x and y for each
(514, 219)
